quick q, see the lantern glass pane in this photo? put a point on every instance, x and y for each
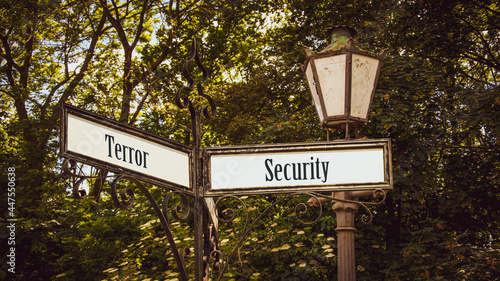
(314, 91)
(331, 76)
(364, 73)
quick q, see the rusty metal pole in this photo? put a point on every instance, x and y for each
(197, 178)
(346, 252)
(346, 258)
(198, 195)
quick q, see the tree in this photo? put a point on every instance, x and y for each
(95, 54)
(427, 99)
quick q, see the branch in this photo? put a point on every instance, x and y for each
(23, 70)
(141, 24)
(54, 90)
(139, 108)
(27, 60)
(117, 25)
(10, 63)
(52, 120)
(165, 51)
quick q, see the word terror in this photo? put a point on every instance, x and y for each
(314, 170)
(125, 153)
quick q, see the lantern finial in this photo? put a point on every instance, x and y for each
(339, 36)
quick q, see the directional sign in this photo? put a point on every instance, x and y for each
(285, 168)
(117, 147)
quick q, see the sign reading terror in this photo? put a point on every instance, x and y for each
(285, 168)
(117, 147)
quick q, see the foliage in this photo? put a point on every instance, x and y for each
(437, 99)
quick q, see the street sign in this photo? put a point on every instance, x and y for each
(91, 139)
(299, 167)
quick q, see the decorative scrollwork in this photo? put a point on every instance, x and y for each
(317, 200)
(305, 210)
(247, 227)
(183, 102)
(177, 209)
(217, 260)
(366, 219)
(126, 194)
(376, 193)
(230, 211)
(69, 168)
(186, 253)
(77, 192)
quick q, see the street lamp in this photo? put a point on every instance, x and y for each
(342, 80)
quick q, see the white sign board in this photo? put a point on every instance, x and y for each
(124, 149)
(349, 165)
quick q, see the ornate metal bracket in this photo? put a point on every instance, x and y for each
(69, 168)
(186, 102)
(125, 199)
(317, 200)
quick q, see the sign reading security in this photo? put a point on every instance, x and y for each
(325, 166)
(107, 144)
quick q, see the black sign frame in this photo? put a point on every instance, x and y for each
(67, 109)
(385, 144)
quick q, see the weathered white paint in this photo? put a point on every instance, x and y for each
(337, 167)
(127, 151)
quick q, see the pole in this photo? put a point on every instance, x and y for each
(197, 178)
(198, 194)
(346, 258)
